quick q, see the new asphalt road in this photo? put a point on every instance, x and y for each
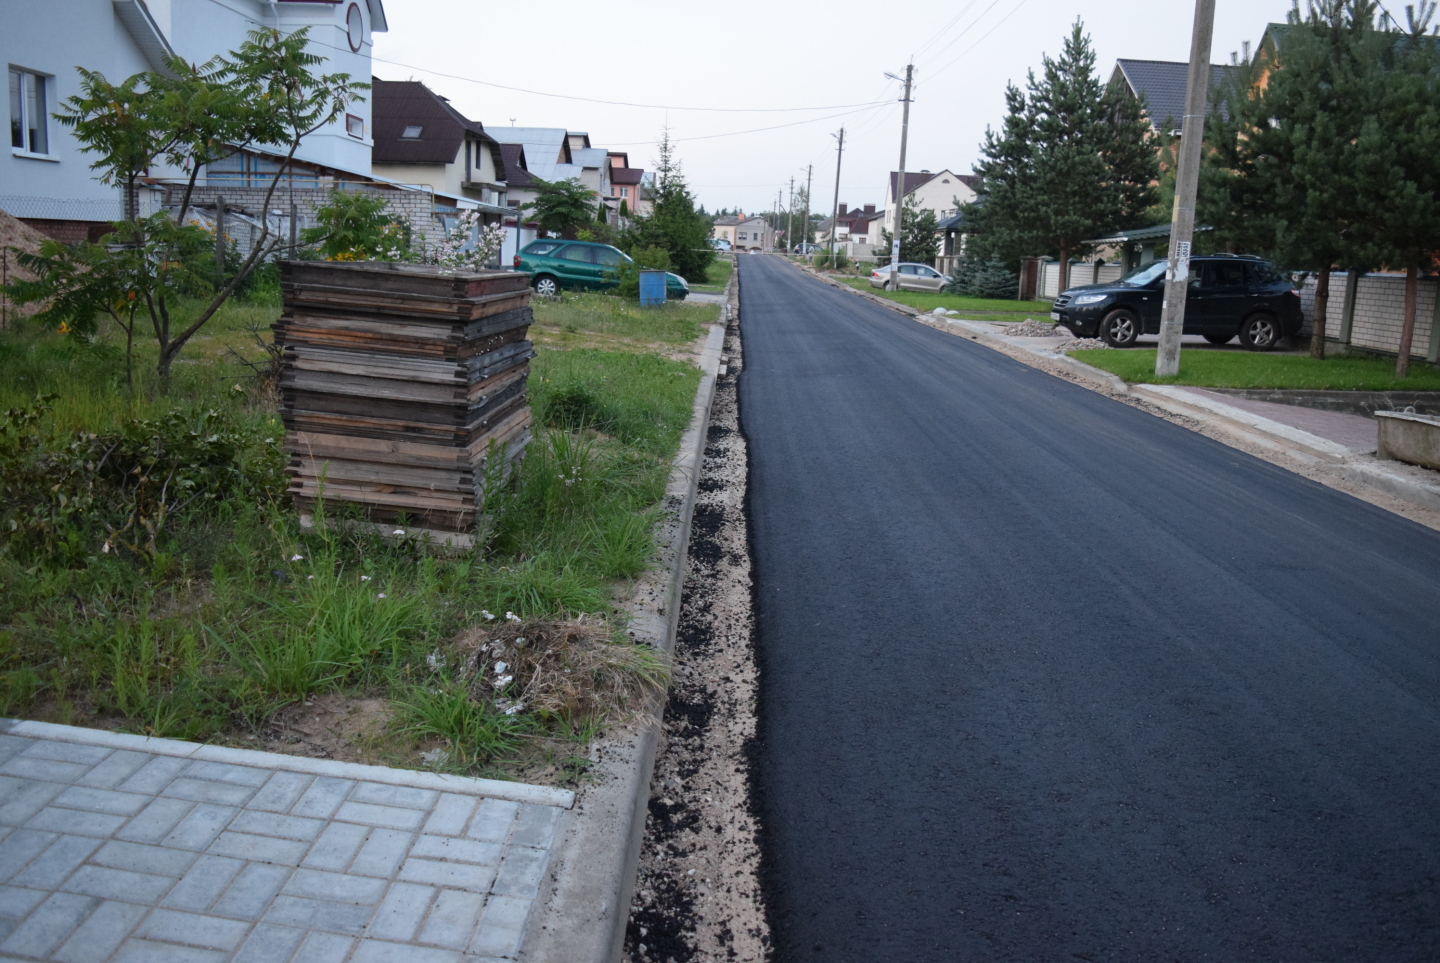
(1046, 678)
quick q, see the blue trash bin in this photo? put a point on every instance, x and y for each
(652, 288)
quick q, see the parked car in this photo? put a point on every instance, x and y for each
(1229, 295)
(720, 244)
(913, 277)
(555, 265)
(806, 248)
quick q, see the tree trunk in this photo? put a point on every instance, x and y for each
(1322, 308)
(1407, 331)
(1062, 279)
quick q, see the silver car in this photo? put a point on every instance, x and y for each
(913, 277)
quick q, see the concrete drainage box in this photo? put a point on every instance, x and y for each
(1409, 437)
(401, 386)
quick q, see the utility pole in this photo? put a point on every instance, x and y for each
(900, 181)
(805, 220)
(776, 229)
(790, 218)
(1187, 183)
(835, 208)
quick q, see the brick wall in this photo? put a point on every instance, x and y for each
(415, 207)
(1379, 313)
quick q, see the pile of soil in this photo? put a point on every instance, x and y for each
(16, 235)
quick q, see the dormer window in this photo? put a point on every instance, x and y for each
(412, 132)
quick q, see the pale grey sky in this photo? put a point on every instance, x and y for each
(750, 54)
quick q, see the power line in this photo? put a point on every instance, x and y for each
(977, 43)
(941, 32)
(737, 133)
(610, 103)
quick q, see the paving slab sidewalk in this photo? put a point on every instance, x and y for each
(122, 848)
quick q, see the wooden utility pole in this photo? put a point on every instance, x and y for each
(835, 208)
(900, 181)
(1187, 183)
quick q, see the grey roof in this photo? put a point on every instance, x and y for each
(591, 157)
(546, 150)
(1163, 84)
(1141, 234)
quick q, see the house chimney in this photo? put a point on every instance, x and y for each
(844, 209)
(869, 210)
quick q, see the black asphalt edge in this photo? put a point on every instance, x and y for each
(584, 903)
(1380, 476)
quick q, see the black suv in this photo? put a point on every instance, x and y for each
(1229, 295)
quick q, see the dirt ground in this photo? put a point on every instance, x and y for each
(698, 895)
(15, 235)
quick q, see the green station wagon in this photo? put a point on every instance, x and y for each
(556, 265)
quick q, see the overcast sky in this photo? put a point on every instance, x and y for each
(747, 56)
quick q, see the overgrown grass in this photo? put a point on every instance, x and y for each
(1253, 369)
(238, 613)
(716, 276)
(601, 319)
(974, 309)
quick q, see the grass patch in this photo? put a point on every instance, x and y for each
(973, 308)
(1254, 369)
(717, 275)
(232, 618)
(603, 320)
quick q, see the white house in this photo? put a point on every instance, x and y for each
(929, 192)
(46, 180)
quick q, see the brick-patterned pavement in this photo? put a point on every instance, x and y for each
(119, 848)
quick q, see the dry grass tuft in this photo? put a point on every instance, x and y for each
(573, 670)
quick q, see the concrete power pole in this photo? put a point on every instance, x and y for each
(790, 218)
(805, 219)
(900, 181)
(835, 208)
(776, 229)
(1187, 183)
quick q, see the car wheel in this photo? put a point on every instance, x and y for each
(1219, 338)
(546, 286)
(1260, 332)
(1120, 329)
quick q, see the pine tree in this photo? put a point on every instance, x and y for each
(1288, 174)
(673, 224)
(1072, 160)
(919, 234)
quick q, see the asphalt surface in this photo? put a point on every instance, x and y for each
(1047, 678)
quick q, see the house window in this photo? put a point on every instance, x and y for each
(28, 118)
(355, 126)
(412, 132)
(741, 235)
(248, 170)
(625, 192)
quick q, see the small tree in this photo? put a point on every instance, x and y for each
(1071, 161)
(674, 224)
(563, 207)
(919, 235)
(262, 94)
(357, 226)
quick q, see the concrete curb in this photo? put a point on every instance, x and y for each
(255, 759)
(1261, 432)
(597, 851)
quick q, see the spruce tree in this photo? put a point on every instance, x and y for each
(1072, 160)
(674, 224)
(1288, 170)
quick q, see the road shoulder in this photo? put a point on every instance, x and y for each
(1405, 490)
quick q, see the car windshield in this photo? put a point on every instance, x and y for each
(1148, 273)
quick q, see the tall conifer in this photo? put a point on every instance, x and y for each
(1072, 160)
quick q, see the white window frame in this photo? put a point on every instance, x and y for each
(44, 82)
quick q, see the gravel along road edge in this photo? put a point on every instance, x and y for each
(586, 894)
(1401, 489)
(698, 896)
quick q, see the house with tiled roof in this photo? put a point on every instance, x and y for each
(421, 139)
(1162, 85)
(941, 192)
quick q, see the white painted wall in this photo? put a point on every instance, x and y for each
(937, 194)
(37, 35)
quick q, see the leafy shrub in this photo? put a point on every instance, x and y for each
(63, 495)
(822, 260)
(644, 258)
(841, 261)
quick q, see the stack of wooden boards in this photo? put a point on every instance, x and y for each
(403, 388)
